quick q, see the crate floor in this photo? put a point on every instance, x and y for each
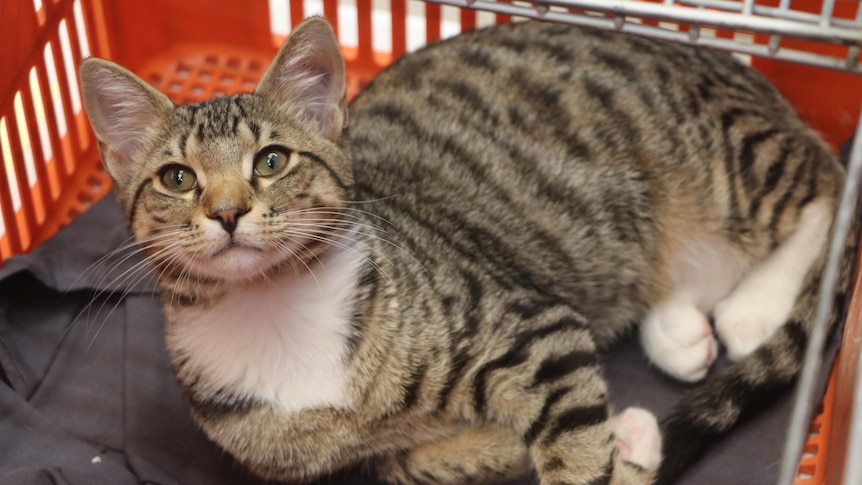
(89, 396)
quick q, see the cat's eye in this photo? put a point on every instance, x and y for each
(178, 178)
(270, 161)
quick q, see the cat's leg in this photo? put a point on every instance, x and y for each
(677, 337)
(493, 453)
(580, 444)
(475, 455)
(549, 387)
(763, 300)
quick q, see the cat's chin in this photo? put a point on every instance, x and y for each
(236, 263)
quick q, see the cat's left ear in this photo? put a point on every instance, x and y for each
(307, 77)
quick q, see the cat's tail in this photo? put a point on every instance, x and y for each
(752, 383)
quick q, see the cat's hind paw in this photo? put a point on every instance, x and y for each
(637, 437)
(677, 337)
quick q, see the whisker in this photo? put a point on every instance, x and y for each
(135, 274)
(290, 252)
(361, 222)
(385, 240)
(142, 247)
(305, 221)
(321, 236)
(128, 245)
(128, 279)
(337, 210)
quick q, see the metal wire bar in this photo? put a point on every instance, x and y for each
(541, 12)
(780, 12)
(826, 12)
(725, 19)
(853, 55)
(802, 410)
(852, 466)
(775, 40)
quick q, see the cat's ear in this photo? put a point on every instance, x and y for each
(124, 111)
(307, 77)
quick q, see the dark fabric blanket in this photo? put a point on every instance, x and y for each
(88, 397)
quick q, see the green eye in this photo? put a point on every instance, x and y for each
(270, 161)
(178, 178)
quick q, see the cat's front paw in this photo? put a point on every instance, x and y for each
(637, 437)
(677, 337)
(749, 316)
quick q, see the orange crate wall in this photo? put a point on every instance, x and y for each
(50, 172)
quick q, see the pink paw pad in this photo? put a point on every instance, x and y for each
(637, 437)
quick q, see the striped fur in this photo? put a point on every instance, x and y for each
(500, 206)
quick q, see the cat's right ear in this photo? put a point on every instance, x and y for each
(124, 111)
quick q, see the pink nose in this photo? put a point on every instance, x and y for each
(229, 217)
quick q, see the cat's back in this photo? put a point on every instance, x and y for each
(542, 82)
(564, 147)
(552, 108)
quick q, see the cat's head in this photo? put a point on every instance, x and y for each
(238, 186)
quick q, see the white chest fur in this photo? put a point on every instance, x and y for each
(283, 342)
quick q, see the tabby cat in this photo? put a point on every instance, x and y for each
(424, 289)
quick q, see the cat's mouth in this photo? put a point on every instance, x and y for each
(236, 247)
(234, 261)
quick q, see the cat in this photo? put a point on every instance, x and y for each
(423, 285)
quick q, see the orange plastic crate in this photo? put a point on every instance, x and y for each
(196, 49)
